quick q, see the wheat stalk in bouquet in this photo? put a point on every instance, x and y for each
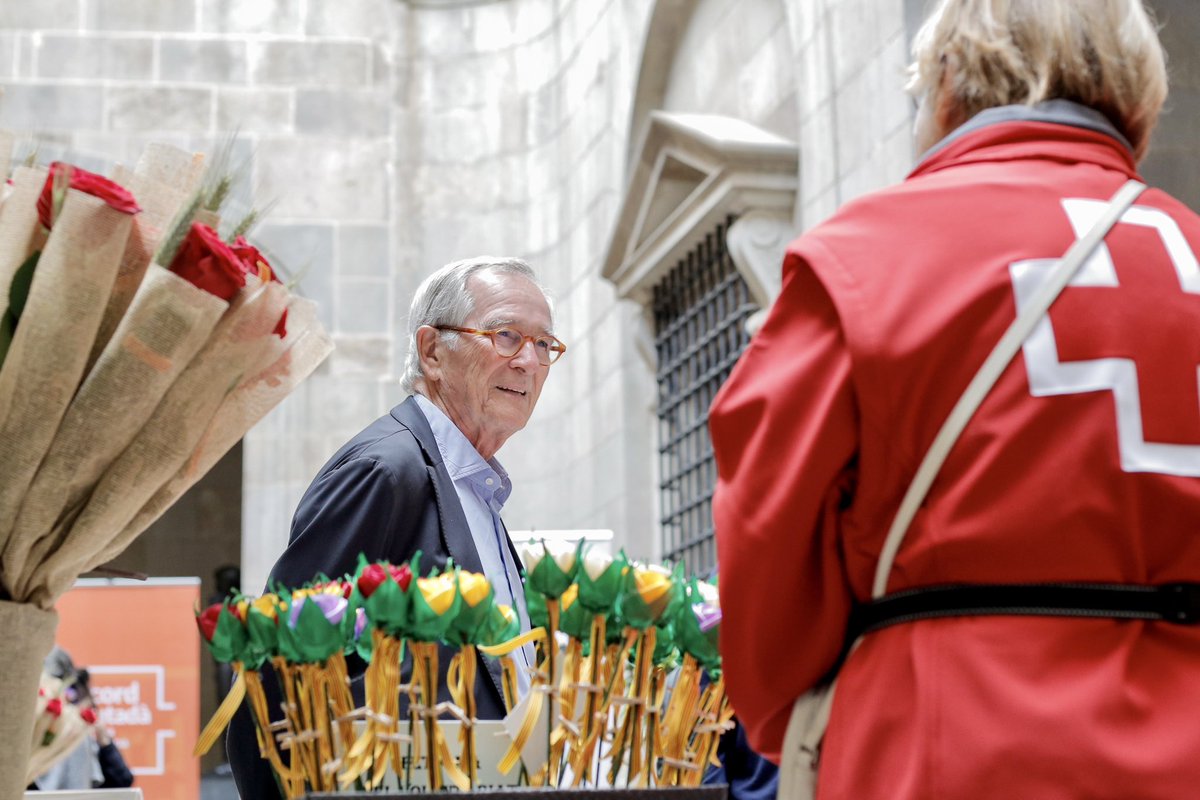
(128, 368)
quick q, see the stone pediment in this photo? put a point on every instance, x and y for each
(692, 171)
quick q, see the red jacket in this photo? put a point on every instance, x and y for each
(1081, 465)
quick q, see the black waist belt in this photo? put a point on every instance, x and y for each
(1178, 603)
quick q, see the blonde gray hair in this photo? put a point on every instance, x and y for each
(1102, 53)
(443, 299)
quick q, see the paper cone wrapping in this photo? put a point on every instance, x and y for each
(46, 360)
(239, 345)
(28, 637)
(306, 346)
(160, 198)
(167, 324)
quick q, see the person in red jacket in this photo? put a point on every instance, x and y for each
(1081, 465)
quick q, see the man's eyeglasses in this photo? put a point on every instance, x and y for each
(508, 342)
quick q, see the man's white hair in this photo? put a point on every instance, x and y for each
(443, 299)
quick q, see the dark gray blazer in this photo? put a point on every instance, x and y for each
(385, 494)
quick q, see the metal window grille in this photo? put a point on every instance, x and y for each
(700, 309)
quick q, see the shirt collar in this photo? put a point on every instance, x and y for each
(1058, 111)
(487, 478)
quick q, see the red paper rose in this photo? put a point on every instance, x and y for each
(207, 620)
(402, 575)
(54, 707)
(117, 196)
(88, 715)
(371, 577)
(209, 263)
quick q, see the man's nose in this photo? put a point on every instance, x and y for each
(526, 357)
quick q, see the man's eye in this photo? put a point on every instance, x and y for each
(508, 337)
(543, 344)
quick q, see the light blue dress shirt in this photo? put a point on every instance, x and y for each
(482, 487)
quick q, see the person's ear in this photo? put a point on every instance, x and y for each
(430, 352)
(948, 113)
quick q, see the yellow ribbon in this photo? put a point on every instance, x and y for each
(504, 648)
(224, 713)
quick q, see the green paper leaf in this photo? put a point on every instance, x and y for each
(600, 596)
(316, 638)
(229, 637)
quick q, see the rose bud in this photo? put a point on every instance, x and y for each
(370, 578)
(253, 259)
(563, 555)
(267, 606)
(54, 707)
(207, 621)
(532, 555)
(595, 562)
(88, 715)
(652, 582)
(360, 621)
(708, 616)
(115, 195)
(402, 575)
(474, 588)
(438, 592)
(333, 607)
(208, 263)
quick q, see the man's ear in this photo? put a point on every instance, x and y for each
(429, 352)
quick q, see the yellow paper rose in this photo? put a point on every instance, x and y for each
(438, 591)
(651, 584)
(474, 588)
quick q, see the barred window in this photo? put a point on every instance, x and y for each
(700, 310)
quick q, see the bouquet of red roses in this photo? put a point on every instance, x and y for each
(137, 345)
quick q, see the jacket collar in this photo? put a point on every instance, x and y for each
(409, 415)
(1058, 129)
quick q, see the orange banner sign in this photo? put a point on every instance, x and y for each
(140, 646)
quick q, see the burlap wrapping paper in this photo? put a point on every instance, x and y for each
(168, 322)
(238, 346)
(20, 232)
(160, 201)
(49, 351)
(28, 636)
(305, 347)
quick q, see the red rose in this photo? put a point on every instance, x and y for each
(209, 263)
(257, 264)
(207, 621)
(88, 715)
(371, 577)
(117, 197)
(54, 707)
(253, 259)
(402, 575)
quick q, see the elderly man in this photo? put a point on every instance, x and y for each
(424, 476)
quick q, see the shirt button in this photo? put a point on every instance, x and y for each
(490, 481)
